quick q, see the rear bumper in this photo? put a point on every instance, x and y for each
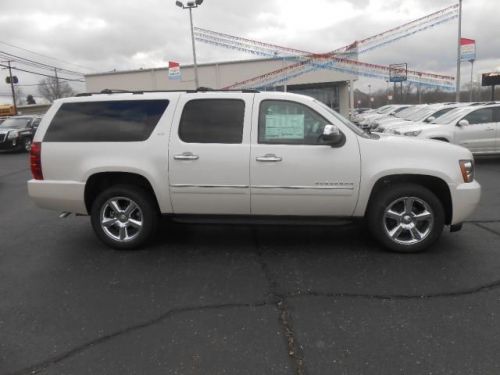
(465, 198)
(58, 195)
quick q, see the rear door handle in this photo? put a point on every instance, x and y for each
(269, 158)
(186, 156)
(490, 129)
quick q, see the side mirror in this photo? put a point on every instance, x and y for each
(332, 135)
(430, 119)
(463, 123)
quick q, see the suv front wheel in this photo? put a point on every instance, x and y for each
(124, 217)
(406, 218)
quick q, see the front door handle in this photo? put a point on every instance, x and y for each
(269, 158)
(490, 129)
(186, 156)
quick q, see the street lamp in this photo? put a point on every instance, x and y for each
(190, 5)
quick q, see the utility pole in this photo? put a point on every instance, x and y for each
(12, 88)
(457, 94)
(58, 92)
(471, 79)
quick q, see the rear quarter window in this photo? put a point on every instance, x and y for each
(110, 121)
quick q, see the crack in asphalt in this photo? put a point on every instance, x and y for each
(479, 224)
(277, 299)
(44, 365)
(395, 297)
(294, 349)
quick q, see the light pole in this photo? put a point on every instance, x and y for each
(370, 95)
(457, 94)
(190, 5)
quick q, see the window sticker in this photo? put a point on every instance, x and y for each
(284, 126)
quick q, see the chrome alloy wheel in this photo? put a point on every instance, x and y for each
(121, 219)
(408, 220)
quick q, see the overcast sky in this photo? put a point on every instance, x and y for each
(98, 36)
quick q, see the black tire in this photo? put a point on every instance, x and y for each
(146, 213)
(399, 197)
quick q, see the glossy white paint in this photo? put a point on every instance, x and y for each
(228, 179)
(309, 179)
(217, 181)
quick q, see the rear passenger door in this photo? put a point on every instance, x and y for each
(209, 154)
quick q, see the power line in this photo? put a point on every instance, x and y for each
(44, 75)
(37, 64)
(48, 57)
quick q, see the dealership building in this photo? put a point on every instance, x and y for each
(329, 86)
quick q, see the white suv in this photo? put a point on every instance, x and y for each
(126, 158)
(476, 128)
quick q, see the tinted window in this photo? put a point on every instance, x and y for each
(496, 116)
(441, 112)
(289, 123)
(212, 121)
(480, 116)
(112, 121)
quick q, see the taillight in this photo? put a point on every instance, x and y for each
(36, 160)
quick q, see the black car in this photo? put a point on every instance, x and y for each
(16, 133)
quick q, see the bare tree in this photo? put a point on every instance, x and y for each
(51, 88)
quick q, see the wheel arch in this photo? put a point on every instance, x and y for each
(98, 182)
(435, 184)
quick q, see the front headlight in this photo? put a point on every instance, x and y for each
(413, 134)
(467, 169)
(13, 135)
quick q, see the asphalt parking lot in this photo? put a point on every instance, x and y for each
(214, 299)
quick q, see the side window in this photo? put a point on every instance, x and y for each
(285, 122)
(212, 121)
(106, 121)
(481, 116)
(496, 114)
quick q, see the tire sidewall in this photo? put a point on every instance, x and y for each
(390, 194)
(149, 212)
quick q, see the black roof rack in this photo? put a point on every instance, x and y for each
(139, 92)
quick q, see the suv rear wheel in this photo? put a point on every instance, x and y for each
(124, 217)
(406, 218)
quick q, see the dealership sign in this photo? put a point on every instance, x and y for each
(467, 49)
(174, 70)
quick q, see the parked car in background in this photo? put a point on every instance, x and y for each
(396, 117)
(425, 114)
(368, 120)
(474, 127)
(361, 116)
(16, 133)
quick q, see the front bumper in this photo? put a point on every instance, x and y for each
(465, 198)
(11, 144)
(58, 195)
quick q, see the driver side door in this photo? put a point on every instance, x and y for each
(292, 171)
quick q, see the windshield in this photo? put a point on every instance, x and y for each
(452, 116)
(384, 109)
(405, 112)
(342, 119)
(15, 123)
(422, 114)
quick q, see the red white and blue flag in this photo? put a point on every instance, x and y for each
(174, 70)
(467, 49)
